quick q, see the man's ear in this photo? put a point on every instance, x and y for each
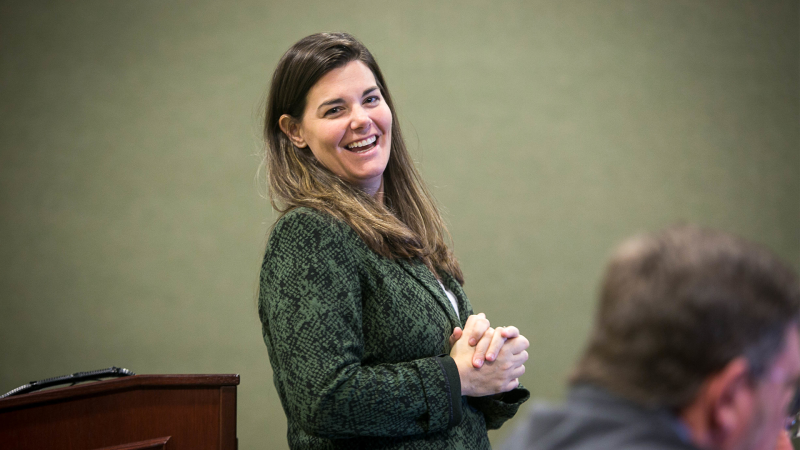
(721, 407)
(731, 400)
(291, 128)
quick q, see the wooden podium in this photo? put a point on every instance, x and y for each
(172, 412)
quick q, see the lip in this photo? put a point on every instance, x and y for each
(356, 150)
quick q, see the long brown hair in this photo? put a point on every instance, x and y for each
(408, 224)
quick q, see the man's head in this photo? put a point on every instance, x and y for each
(702, 323)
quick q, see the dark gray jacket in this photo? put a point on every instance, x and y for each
(595, 419)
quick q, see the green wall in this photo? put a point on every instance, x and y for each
(132, 227)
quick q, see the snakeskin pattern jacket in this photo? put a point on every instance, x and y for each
(358, 345)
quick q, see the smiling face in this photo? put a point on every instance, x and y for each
(347, 125)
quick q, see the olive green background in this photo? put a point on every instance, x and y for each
(131, 223)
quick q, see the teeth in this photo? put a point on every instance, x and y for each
(362, 143)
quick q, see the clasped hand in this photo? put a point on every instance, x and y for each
(490, 360)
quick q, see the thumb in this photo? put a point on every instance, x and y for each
(455, 336)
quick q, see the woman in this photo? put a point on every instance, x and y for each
(360, 298)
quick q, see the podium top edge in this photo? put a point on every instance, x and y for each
(134, 382)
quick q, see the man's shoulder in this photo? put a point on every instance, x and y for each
(597, 420)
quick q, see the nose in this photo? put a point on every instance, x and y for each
(359, 120)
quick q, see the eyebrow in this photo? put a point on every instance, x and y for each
(340, 100)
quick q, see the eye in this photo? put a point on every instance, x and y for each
(333, 110)
(372, 99)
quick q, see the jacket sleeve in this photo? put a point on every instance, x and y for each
(310, 307)
(497, 410)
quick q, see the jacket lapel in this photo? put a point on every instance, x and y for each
(464, 308)
(424, 277)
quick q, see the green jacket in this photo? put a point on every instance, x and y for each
(359, 345)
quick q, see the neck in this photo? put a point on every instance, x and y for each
(377, 194)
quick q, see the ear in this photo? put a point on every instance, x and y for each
(291, 128)
(718, 411)
(731, 401)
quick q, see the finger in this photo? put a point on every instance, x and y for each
(511, 385)
(480, 325)
(516, 345)
(480, 349)
(517, 372)
(475, 327)
(510, 332)
(475, 317)
(509, 361)
(497, 342)
(514, 376)
(514, 359)
(455, 336)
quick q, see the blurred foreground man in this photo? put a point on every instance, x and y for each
(695, 346)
